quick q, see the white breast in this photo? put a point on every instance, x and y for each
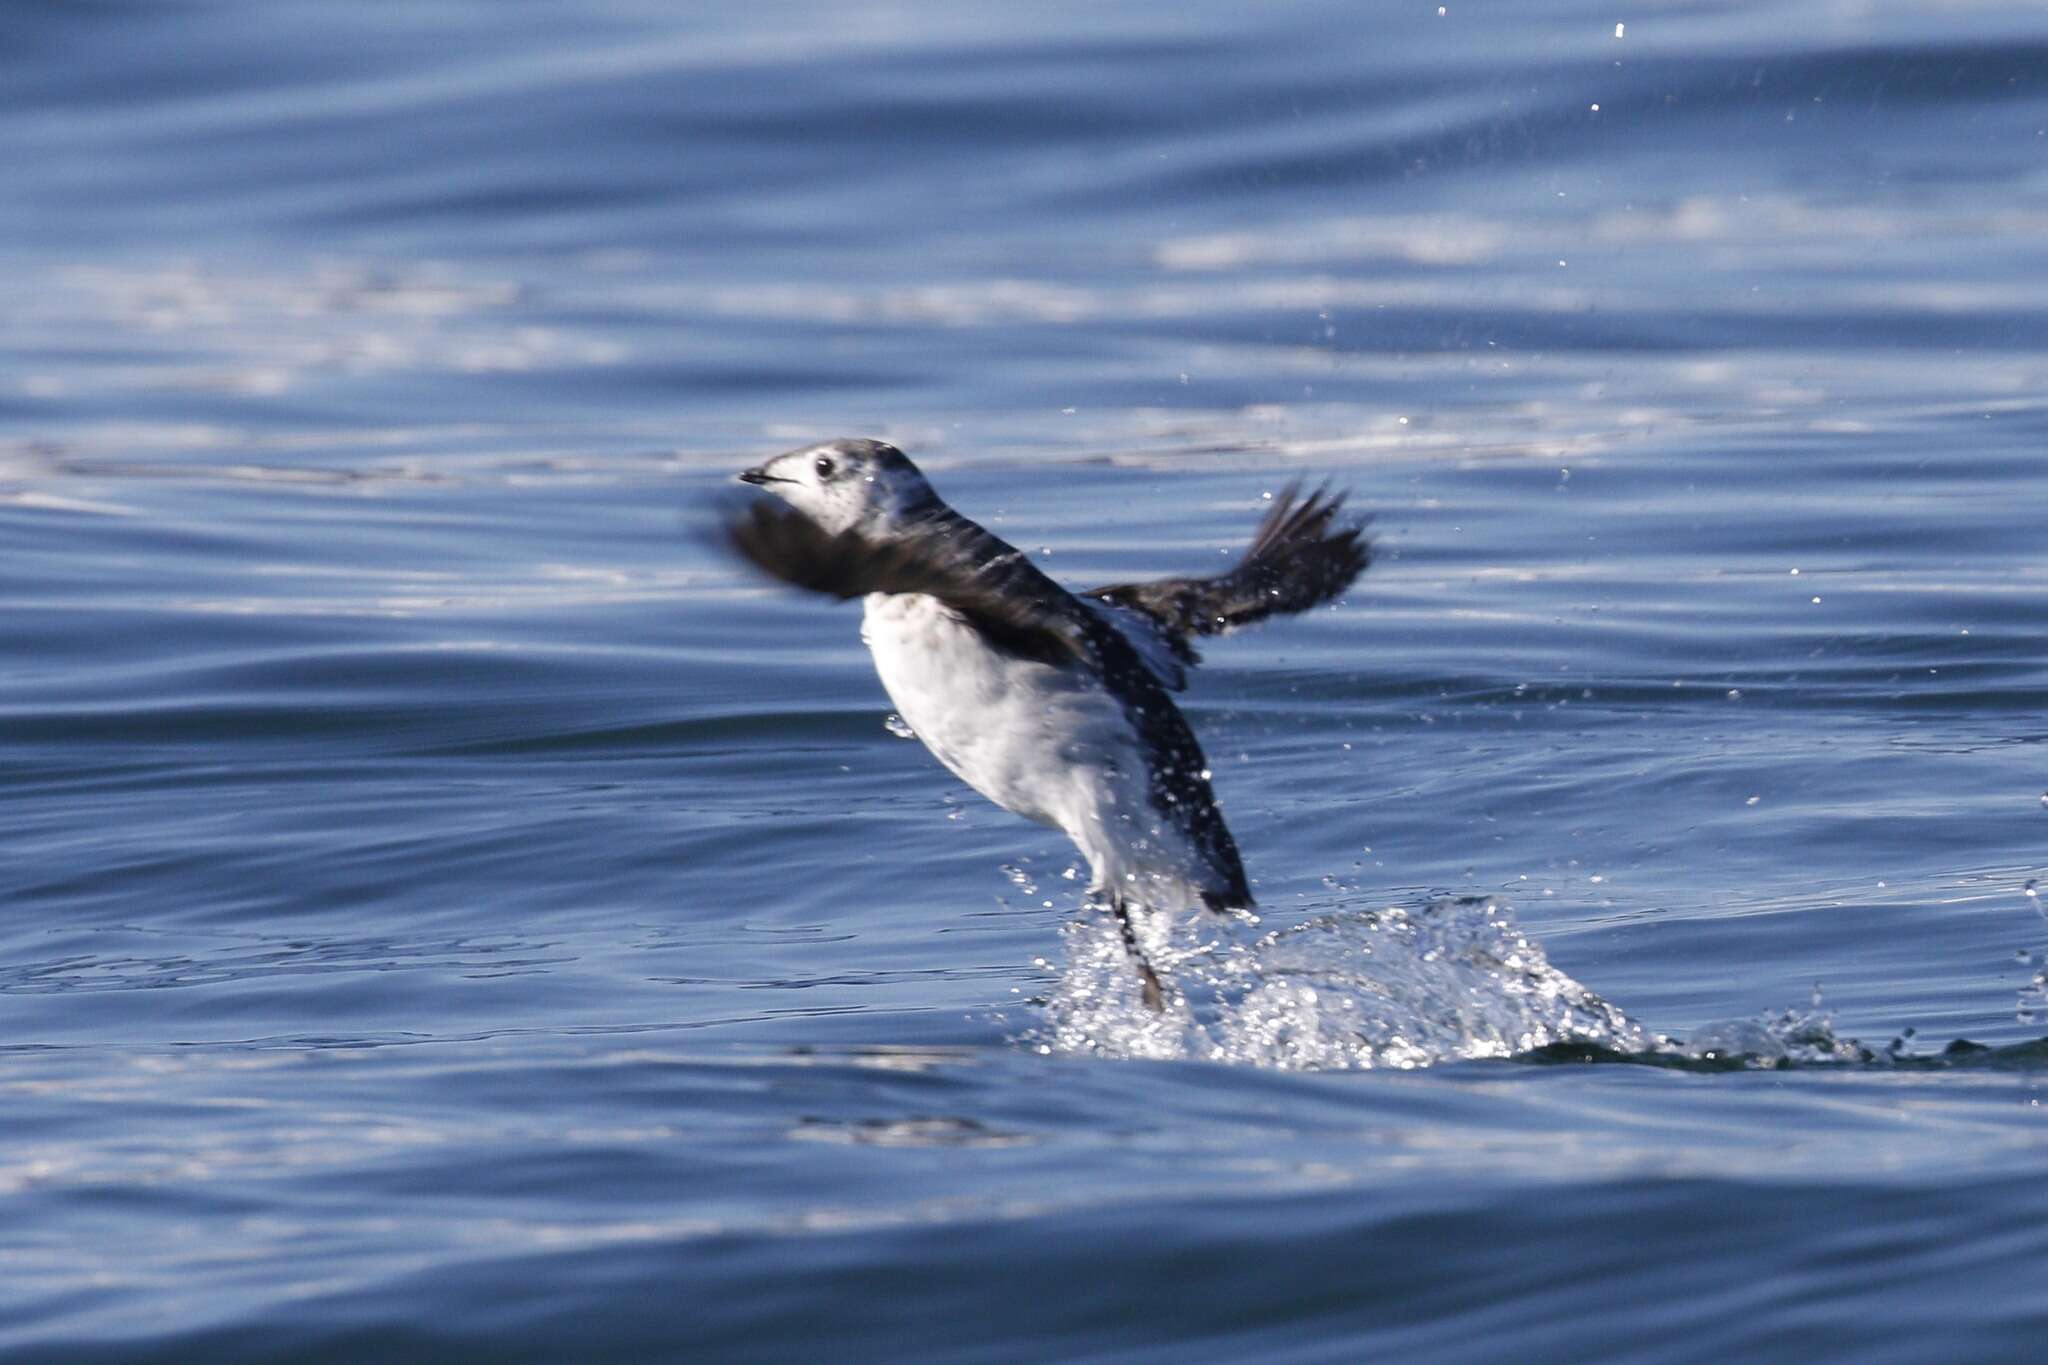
(1049, 743)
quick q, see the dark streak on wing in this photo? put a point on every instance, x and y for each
(1177, 771)
(1166, 655)
(1301, 556)
(787, 545)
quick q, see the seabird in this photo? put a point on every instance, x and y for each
(1052, 704)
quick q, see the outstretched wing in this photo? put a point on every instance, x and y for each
(1303, 554)
(787, 545)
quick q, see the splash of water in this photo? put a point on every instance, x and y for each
(1454, 980)
(1782, 1038)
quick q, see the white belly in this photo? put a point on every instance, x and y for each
(1048, 743)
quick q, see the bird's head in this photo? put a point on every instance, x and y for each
(847, 484)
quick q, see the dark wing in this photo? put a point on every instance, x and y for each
(1178, 773)
(1167, 655)
(1303, 554)
(787, 545)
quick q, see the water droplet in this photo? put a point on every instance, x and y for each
(1752, 800)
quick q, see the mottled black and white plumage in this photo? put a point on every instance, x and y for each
(1054, 705)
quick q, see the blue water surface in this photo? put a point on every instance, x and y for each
(450, 911)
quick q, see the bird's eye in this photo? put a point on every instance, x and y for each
(824, 466)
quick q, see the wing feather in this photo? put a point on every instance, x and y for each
(1304, 553)
(1165, 655)
(791, 548)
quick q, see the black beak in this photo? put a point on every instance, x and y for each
(758, 475)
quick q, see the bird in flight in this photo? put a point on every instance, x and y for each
(1053, 704)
